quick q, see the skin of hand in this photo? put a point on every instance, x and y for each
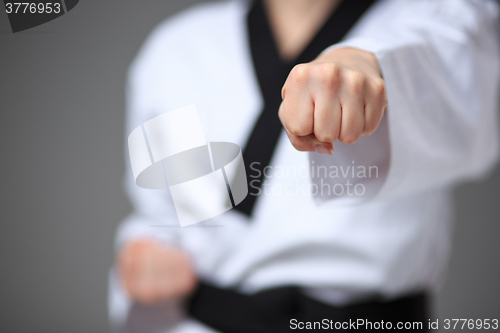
(340, 95)
(152, 272)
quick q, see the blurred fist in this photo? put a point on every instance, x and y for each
(152, 272)
(340, 95)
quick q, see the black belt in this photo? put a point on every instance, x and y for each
(281, 309)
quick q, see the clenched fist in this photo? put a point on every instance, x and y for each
(340, 95)
(152, 272)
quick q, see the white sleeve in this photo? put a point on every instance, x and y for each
(440, 62)
(151, 207)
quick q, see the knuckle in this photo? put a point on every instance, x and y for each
(281, 113)
(328, 73)
(379, 89)
(296, 128)
(300, 73)
(356, 81)
(369, 130)
(326, 137)
(372, 125)
(348, 138)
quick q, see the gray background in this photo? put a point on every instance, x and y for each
(61, 129)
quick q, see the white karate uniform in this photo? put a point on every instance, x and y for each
(440, 62)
